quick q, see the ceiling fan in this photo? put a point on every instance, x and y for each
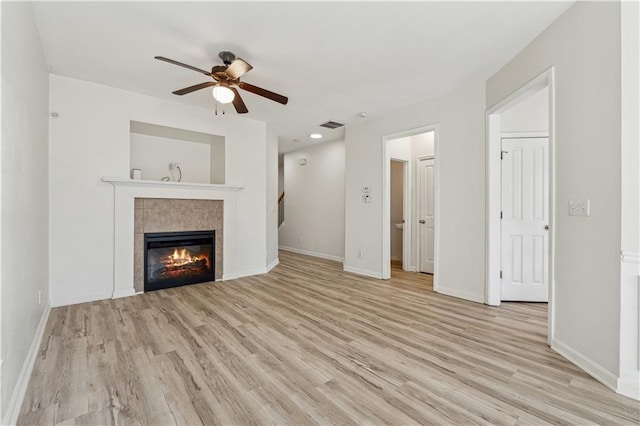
(225, 80)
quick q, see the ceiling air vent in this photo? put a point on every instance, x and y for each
(331, 125)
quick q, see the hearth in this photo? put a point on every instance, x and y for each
(173, 259)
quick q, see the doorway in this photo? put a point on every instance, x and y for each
(418, 148)
(520, 141)
(399, 204)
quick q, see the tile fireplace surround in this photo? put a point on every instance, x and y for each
(222, 200)
(174, 215)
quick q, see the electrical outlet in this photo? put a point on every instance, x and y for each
(366, 198)
(300, 240)
(366, 189)
(360, 254)
(173, 166)
(579, 207)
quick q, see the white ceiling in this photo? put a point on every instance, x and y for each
(332, 59)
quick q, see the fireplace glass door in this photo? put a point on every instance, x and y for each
(178, 258)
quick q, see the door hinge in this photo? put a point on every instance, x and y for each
(500, 215)
(500, 274)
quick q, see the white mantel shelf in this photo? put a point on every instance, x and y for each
(125, 181)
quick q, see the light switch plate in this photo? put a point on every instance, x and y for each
(579, 207)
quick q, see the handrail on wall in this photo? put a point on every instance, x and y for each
(281, 209)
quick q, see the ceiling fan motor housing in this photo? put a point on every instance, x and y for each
(227, 57)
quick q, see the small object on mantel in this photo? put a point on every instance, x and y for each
(136, 174)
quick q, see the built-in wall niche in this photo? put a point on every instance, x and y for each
(154, 150)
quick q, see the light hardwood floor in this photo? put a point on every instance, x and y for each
(306, 344)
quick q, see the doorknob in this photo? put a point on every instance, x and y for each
(546, 227)
(422, 221)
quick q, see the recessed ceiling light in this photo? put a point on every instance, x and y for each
(296, 140)
(315, 136)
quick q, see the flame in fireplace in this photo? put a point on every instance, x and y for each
(183, 257)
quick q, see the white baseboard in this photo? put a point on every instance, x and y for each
(66, 301)
(312, 253)
(273, 265)
(472, 297)
(591, 367)
(410, 269)
(117, 294)
(227, 277)
(250, 272)
(629, 387)
(15, 403)
(396, 258)
(366, 273)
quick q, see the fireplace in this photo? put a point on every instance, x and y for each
(173, 259)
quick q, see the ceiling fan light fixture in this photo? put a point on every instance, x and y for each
(223, 94)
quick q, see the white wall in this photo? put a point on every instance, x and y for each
(460, 116)
(152, 155)
(583, 46)
(397, 202)
(314, 201)
(217, 163)
(25, 201)
(90, 139)
(422, 145)
(400, 148)
(530, 115)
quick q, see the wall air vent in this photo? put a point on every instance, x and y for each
(331, 124)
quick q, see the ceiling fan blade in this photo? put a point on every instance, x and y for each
(194, 88)
(238, 103)
(180, 64)
(238, 68)
(263, 92)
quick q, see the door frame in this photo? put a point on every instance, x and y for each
(419, 196)
(406, 209)
(494, 185)
(386, 200)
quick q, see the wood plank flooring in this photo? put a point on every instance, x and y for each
(309, 344)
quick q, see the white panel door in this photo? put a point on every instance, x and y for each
(525, 219)
(426, 218)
